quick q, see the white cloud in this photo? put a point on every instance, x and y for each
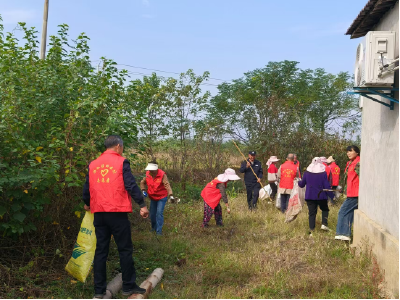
(17, 15)
(146, 2)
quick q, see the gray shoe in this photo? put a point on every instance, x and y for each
(99, 296)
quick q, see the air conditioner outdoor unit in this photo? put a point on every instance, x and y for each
(373, 53)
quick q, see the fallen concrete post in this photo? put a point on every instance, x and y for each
(113, 287)
(149, 284)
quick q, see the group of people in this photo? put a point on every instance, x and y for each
(110, 187)
(320, 179)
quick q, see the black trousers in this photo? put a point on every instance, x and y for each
(312, 212)
(118, 225)
(252, 194)
(274, 190)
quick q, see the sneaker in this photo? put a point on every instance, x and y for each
(324, 227)
(205, 226)
(220, 225)
(342, 238)
(136, 290)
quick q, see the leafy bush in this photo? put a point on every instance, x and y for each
(54, 115)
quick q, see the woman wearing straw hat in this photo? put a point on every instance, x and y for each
(212, 194)
(316, 180)
(272, 175)
(158, 188)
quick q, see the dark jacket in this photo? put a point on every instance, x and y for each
(315, 183)
(249, 178)
(129, 183)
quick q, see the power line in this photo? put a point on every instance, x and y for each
(143, 68)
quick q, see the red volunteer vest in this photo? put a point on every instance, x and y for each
(106, 184)
(298, 166)
(211, 193)
(155, 186)
(288, 174)
(353, 181)
(272, 169)
(327, 169)
(335, 173)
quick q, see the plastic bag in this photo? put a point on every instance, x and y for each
(265, 192)
(296, 202)
(81, 261)
(278, 201)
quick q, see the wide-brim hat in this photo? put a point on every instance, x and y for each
(316, 166)
(151, 167)
(273, 159)
(229, 174)
(330, 160)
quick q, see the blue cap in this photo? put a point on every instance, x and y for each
(253, 153)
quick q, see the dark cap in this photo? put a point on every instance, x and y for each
(253, 153)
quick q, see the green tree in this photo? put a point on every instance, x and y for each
(54, 116)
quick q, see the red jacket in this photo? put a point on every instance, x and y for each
(335, 173)
(155, 186)
(353, 181)
(211, 193)
(288, 174)
(106, 184)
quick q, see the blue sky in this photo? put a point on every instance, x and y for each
(225, 37)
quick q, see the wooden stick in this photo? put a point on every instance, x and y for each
(250, 164)
(149, 284)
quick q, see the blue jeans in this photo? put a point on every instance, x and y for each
(346, 216)
(157, 214)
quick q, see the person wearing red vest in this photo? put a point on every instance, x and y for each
(158, 189)
(212, 194)
(107, 193)
(346, 212)
(272, 175)
(335, 172)
(297, 163)
(327, 169)
(287, 172)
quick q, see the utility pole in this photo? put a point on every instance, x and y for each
(44, 30)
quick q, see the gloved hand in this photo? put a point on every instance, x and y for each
(171, 199)
(145, 194)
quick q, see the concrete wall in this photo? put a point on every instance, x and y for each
(376, 221)
(379, 178)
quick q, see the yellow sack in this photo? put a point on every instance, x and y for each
(82, 257)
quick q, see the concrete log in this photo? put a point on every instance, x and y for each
(149, 284)
(113, 287)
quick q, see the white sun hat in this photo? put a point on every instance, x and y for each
(330, 159)
(229, 174)
(323, 159)
(316, 166)
(271, 160)
(151, 167)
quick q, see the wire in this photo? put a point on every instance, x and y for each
(165, 71)
(176, 73)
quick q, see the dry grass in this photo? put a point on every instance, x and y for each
(255, 255)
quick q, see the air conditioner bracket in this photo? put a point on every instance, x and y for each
(385, 92)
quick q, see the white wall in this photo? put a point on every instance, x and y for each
(379, 178)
